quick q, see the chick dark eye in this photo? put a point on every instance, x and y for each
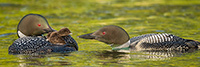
(103, 33)
(39, 25)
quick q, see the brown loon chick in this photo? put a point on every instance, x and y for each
(57, 36)
(119, 39)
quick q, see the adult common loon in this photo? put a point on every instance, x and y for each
(30, 30)
(118, 38)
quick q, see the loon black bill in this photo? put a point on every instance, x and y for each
(87, 36)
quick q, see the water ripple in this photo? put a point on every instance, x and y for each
(7, 34)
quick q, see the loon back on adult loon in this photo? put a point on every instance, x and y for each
(39, 45)
(33, 25)
(119, 39)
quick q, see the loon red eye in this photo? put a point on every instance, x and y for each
(39, 25)
(103, 33)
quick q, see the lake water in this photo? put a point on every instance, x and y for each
(137, 17)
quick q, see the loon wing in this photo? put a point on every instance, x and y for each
(36, 45)
(163, 42)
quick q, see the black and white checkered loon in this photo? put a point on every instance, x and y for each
(30, 30)
(119, 39)
(39, 45)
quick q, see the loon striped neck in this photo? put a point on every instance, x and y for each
(124, 46)
(20, 34)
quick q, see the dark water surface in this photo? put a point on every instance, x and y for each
(137, 17)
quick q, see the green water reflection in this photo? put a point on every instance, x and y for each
(137, 17)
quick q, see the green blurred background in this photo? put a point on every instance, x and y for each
(137, 17)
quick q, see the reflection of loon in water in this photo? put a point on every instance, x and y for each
(35, 60)
(147, 54)
(159, 54)
(122, 57)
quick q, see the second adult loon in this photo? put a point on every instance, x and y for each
(118, 38)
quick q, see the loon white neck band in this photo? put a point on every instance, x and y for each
(125, 45)
(21, 34)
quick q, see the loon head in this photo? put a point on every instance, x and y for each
(114, 35)
(33, 25)
(64, 32)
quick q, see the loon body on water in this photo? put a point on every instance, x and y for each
(30, 31)
(38, 45)
(119, 39)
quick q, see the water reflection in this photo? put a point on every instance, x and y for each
(8, 4)
(113, 55)
(147, 54)
(101, 57)
(159, 54)
(7, 34)
(42, 60)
